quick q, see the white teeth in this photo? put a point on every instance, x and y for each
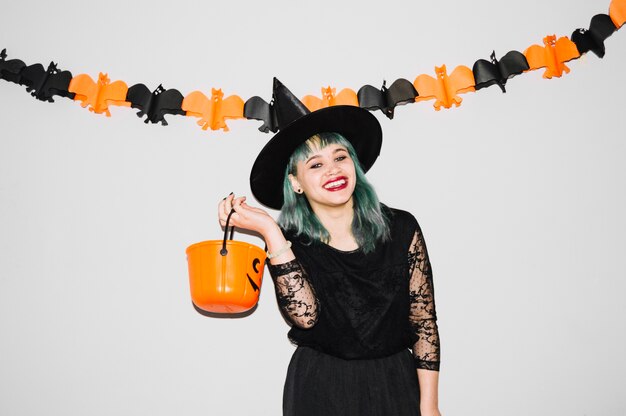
(335, 184)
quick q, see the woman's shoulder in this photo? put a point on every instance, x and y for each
(400, 219)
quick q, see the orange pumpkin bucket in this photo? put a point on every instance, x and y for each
(225, 276)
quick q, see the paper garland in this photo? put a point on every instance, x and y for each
(213, 111)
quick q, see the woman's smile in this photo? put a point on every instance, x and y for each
(336, 184)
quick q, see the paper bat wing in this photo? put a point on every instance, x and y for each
(346, 97)
(486, 74)
(172, 101)
(196, 104)
(84, 88)
(566, 50)
(601, 27)
(140, 97)
(232, 107)
(400, 92)
(617, 12)
(256, 108)
(371, 98)
(513, 63)
(427, 87)
(115, 94)
(583, 40)
(57, 84)
(461, 80)
(535, 56)
(10, 70)
(167, 102)
(312, 103)
(32, 77)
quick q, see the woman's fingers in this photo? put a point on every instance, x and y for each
(228, 203)
(238, 205)
(238, 201)
(224, 207)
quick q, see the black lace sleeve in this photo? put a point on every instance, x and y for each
(423, 317)
(295, 293)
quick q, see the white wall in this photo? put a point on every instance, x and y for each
(520, 196)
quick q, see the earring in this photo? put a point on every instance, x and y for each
(299, 190)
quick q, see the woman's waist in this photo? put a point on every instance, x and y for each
(350, 349)
(351, 356)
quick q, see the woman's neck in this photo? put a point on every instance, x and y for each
(338, 223)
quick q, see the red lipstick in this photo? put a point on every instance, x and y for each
(337, 187)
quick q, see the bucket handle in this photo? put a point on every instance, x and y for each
(223, 251)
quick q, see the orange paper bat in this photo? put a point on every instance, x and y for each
(617, 11)
(552, 55)
(345, 97)
(99, 95)
(445, 89)
(213, 111)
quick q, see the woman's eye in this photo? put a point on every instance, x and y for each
(340, 158)
(315, 166)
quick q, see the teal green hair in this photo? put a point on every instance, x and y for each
(369, 225)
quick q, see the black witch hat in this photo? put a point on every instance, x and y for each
(296, 125)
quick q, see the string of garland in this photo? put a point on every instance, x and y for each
(213, 111)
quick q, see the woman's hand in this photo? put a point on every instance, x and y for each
(245, 216)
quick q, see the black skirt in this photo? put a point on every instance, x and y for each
(319, 384)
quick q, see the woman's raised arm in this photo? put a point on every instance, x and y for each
(295, 294)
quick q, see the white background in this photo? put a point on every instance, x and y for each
(520, 197)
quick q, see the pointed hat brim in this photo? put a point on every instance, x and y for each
(356, 124)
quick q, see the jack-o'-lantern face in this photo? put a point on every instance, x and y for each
(257, 274)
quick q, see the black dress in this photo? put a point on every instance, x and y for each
(355, 316)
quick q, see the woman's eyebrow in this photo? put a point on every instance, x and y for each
(339, 149)
(311, 158)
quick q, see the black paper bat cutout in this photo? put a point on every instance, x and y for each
(43, 84)
(256, 108)
(386, 99)
(487, 73)
(10, 70)
(600, 28)
(155, 104)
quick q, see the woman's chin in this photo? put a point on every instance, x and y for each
(336, 199)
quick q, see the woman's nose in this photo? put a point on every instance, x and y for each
(332, 169)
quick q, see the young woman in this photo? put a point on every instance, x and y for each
(352, 276)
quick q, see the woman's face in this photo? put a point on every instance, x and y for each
(327, 176)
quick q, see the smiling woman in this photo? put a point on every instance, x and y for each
(324, 175)
(352, 276)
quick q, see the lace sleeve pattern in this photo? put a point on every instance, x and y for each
(294, 293)
(422, 317)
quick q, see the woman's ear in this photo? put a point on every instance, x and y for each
(295, 185)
